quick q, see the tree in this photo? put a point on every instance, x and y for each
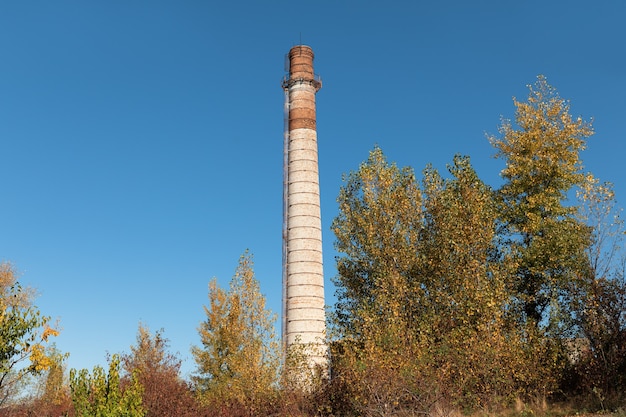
(24, 333)
(158, 371)
(599, 305)
(238, 360)
(102, 395)
(460, 270)
(471, 340)
(546, 242)
(52, 389)
(598, 209)
(378, 231)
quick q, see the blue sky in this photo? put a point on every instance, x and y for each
(141, 142)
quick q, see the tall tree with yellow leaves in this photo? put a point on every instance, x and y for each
(378, 234)
(473, 342)
(546, 241)
(378, 352)
(239, 357)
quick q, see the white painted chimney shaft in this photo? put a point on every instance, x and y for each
(303, 280)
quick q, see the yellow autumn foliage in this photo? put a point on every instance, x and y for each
(22, 350)
(238, 359)
(450, 291)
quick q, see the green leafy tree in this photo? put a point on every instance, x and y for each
(24, 333)
(546, 241)
(100, 394)
(239, 357)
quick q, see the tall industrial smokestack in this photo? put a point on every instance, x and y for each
(303, 276)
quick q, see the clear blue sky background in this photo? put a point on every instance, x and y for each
(141, 141)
